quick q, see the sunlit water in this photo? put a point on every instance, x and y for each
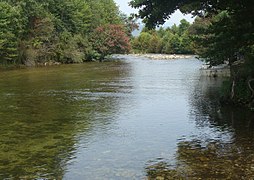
(129, 119)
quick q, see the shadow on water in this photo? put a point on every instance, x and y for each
(45, 111)
(223, 146)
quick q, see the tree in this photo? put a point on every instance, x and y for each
(130, 24)
(104, 12)
(155, 12)
(183, 27)
(144, 41)
(233, 22)
(174, 40)
(155, 44)
(186, 44)
(174, 29)
(35, 32)
(110, 39)
(166, 40)
(10, 30)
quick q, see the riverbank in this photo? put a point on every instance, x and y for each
(216, 71)
(4, 67)
(164, 56)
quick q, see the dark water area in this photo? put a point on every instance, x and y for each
(129, 119)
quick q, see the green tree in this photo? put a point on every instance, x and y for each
(184, 26)
(55, 30)
(166, 41)
(233, 23)
(161, 32)
(10, 30)
(174, 40)
(104, 12)
(174, 29)
(155, 44)
(144, 39)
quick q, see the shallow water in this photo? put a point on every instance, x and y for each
(129, 119)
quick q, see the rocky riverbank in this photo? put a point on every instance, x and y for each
(222, 70)
(164, 56)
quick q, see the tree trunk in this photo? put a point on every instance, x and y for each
(233, 90)
(251, 89)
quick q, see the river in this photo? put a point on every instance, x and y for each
(132, 118)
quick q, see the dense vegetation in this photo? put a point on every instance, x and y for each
(172, 40)
(66, 31)
(223, 31)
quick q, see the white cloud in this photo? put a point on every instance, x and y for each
(177, 17)
(123, 6)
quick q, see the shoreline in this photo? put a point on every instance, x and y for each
(164, 56)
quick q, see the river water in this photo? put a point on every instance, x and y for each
(133, 118)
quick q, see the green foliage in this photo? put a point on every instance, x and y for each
(183, 27)
(142, 42)
(56, 30)
(10, 29)
(130, 24)
(214, 34)
(228, 33)
(216, 41)
(69, 48)
(155, 44)
(104, 12)
(110, 39)
(174, 40)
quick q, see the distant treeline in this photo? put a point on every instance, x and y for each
(66, 31)
(171, 40)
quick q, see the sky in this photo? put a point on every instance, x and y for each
(175, 18)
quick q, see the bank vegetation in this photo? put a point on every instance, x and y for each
(36, 32)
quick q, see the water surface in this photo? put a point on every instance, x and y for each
(128, 119)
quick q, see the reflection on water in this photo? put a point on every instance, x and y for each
(224, 149)
(44, 112)
(130, 119)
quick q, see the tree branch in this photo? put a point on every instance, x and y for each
(251, 89)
